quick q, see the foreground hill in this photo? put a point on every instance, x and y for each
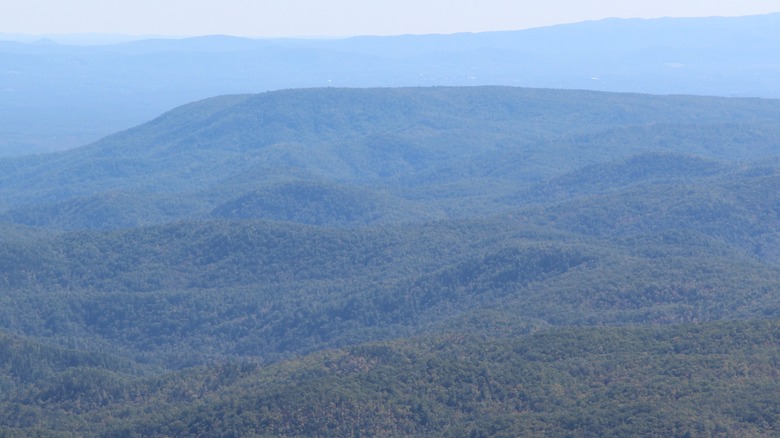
(503, 380)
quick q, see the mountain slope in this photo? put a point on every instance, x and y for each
(113, 87)
(490, 382)
(419, 145)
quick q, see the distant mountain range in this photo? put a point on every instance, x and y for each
(56, 96)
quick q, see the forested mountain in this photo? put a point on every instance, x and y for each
(250, 156)
(59, 96)
(571, 382)
(688, 380)
(465, 261)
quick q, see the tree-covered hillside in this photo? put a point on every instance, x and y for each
(483, 261)
(431, 152)
(502, 380)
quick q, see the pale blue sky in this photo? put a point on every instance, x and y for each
(275, 18)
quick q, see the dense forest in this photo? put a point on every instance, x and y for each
(483, 261)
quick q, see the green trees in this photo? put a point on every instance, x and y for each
(455, 295)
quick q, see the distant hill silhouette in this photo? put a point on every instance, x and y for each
(57, 96)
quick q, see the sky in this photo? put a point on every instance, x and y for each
(333, 18)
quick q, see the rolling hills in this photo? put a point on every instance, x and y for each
(467, 261)
(415, 145)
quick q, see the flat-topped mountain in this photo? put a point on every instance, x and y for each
(58, 96)
(430, 149)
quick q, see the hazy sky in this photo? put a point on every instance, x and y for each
(273, 18)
